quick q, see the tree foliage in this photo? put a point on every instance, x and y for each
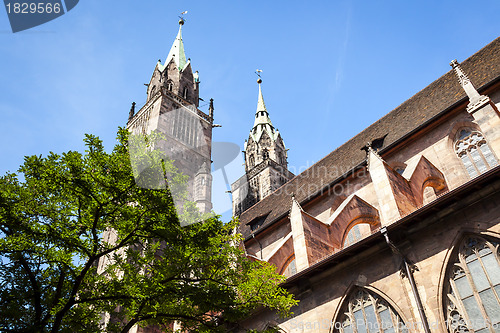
(79, 239)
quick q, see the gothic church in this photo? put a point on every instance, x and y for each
(395, 231)
(398, 229)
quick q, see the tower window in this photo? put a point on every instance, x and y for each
(251, 161)
(471, 147)
(185, 93)
(266, 154)
(170, 85)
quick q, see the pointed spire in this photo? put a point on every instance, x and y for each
(262, 121)
(177, 50)
(211, 109)
(131, 112)
(464, 80)
(476, 100)
(261, 106)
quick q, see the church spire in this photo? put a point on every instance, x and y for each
(177, 50)
(262, 121)
(261, 106)
(266, 165)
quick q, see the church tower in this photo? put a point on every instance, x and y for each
(172, 109)
(266, 165)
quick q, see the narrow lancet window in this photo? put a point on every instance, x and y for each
(251, 161)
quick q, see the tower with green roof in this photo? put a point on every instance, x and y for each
(266, 165)
(172, 109)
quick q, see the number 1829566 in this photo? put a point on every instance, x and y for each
(33, 7)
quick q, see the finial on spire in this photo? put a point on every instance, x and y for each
(259, 80)
(181, 17)
(475, 99)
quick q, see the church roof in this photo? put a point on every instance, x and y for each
(431, 102)
(177, 51)
(262, 121)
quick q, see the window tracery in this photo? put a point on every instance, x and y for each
(475, 153)
(366, 312)
(472, 302)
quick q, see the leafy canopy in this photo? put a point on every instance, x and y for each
(79, 241)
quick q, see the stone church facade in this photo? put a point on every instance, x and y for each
(397, 230)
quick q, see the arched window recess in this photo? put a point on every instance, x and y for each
(364, 311)
(251, 161)
(474, 152)
(472, 292)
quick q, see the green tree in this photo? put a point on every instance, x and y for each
(79, 239)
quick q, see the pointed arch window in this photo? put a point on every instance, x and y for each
(366, 312)
(472, 303)
(251, 161)
(475, 153)
(279, 158)
(170, 85)
(290, 267)
(357, 232)
(265, 153)
(185, 93)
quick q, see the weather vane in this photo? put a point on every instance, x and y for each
(258, 71)
(182, 15)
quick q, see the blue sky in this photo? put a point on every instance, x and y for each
(330, 68)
